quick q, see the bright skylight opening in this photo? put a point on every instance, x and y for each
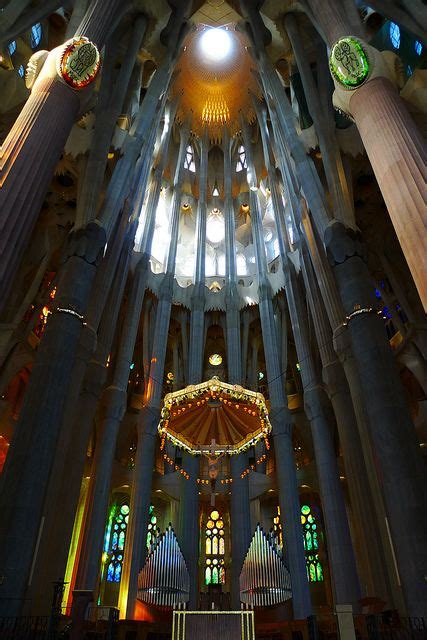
(215, 227)
(215, 44)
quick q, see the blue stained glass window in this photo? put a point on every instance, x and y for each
(114, 546)
(12, 47)
(409, 71)
(121, 540)
(418, 47)
(21, 70)
(115, 540)
(394, 35)
(36, 35)
(110, 572)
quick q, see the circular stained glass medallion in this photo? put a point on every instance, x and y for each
(215, 359)
(214, 515)
(348, 62)
(80, 62)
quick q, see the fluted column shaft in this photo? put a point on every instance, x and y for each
(34, 144)
(397, 154)
(394, 146)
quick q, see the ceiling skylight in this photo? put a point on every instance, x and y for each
(215, 44)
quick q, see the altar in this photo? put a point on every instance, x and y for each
(211, 625)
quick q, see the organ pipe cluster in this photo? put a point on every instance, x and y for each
(264, 579)
(164, 580)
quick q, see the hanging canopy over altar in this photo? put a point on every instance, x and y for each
(214, 418)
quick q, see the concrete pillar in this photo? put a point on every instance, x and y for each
(400, 466)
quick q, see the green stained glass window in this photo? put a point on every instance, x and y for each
(311, 545)
(114, 542)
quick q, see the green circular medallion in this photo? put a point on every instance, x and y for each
(349, 63)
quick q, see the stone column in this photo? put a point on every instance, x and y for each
(189, 494)
(279, 413)
(189, 529)
(114, 403)
(392, 141)
(141, 488)
(399, 463)
(344, 573)
(35, 142)
(28, 464)
(240, 505)
(366, 523)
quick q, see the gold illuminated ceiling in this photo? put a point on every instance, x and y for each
(215, 91)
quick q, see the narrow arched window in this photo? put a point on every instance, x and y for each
(189, 159)
(114, 541)
(311, 545)
(241, 160)
(214, 549)
(36, 35)
(152, 529)
(394, 32)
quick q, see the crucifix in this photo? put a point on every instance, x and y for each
(213, 468)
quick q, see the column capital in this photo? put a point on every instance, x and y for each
(342, 243)
(316, 402)
(87, 243)
(113, 403)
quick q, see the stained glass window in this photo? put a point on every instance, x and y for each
(215, 549)
(394, 35)
(241, 162)
(418, 47)
(310, 531)
(311, 545)
(152, 529)
(12, 47)
(21, 70)
(36, 35)
(189, 159)
(114, 541)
